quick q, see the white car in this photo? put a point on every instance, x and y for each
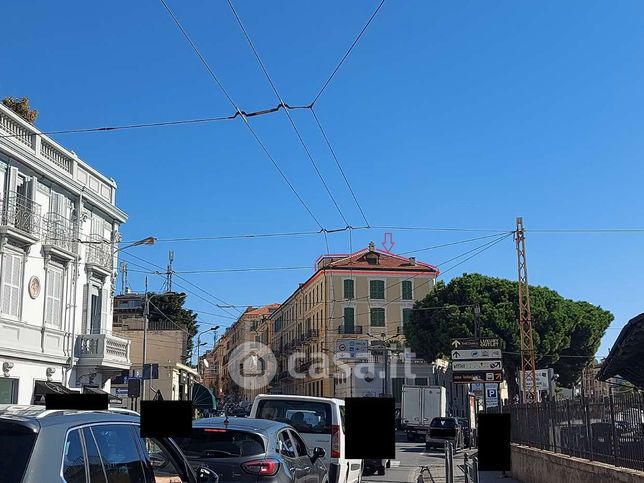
(320, 421)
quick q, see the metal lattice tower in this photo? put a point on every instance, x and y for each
(528, 366)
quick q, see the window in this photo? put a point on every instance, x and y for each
(342, 417)
(54, 296)
(11, 284)
(8, 391)
(407, 290)
(160, 461)
(349, 320)
(348, 289)
(312, 417)
(406, 316)
(74, 459)
(118, 450)
(94, 463)
(221, 443)
(300, 446)
(377, 317)
(17, 443)
(287, 448)
(377, 289)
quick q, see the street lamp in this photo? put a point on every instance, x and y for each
(199, 343)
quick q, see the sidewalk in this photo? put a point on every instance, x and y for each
(435, 473)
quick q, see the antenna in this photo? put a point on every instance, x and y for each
(169, 272)
(124, 284)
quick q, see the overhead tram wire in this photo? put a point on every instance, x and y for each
(337, 162)
(178, 122)
(231, 315)
(451, 243)
(348, 52)
(226, 270)
(286, 111)
(236, 107)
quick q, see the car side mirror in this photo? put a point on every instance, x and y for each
(206, 475)
(318, 453)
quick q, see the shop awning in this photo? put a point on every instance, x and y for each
(202, 397)
(95, 390)
(42, 388)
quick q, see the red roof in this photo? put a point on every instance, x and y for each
(374, 259)
(266, 310)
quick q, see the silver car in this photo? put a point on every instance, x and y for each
(40, 445)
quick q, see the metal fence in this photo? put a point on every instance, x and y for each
(609, 429)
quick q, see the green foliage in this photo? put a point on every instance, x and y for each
(561, 327)
(21, 107)
(171, 304)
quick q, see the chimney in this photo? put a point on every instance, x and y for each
(412, 260)
(372, 247)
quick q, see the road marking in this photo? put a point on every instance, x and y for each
(395, 464)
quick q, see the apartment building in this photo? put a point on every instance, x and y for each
(249, 328)
(367, 295)
(166, 345)
(58, 228)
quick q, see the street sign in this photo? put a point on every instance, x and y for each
(470, 377)
(543, 379)
(351, 348)
(464, 366)
(469, 354)
(120, 391)
(476, 343)
(491, 395)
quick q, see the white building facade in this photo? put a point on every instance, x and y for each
(59, 226)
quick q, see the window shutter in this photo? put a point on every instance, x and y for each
(85, 303)
(104, 307)
(7, 261)
(49, 295)
(13, 179)
(16, 285)
(32, 185)
(58, 300)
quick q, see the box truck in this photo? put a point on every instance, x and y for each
(421, 404)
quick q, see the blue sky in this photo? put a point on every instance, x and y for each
(447, 114)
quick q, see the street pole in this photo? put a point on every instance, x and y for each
(198, 346)
(146, 313)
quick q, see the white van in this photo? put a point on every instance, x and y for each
(320, 421)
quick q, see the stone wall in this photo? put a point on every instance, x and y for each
(531, 465)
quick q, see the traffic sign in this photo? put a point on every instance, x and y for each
(543, 379)
(491, 395)
(470, 377)
(351, 348)
(464, 366)
(476, 343)
(469, 354)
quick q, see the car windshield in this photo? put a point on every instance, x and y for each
(443, 423)
(221, 443)
(304, 416)
(17, 443)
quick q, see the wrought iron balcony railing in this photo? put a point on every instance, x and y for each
(59, 231)
(21, 213)
(99, 252)
(350, 329)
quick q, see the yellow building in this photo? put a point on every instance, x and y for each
(365, 295)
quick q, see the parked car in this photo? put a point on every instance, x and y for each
(467, 432)
(243, 450)
(40, 445)
(442, 430)
(326, 430)
(376, 466)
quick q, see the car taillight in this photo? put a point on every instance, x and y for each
(335, 441)
(266, 467)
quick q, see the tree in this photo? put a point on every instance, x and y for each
(170, 306)
(21, 107)
(566, 333)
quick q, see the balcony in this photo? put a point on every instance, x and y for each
(350, 329)
(99, 253)
(20, 218)
(102, 351)
(59, 233)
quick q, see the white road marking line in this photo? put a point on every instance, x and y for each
(395, 464)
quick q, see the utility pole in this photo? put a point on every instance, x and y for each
(146, 313)
(169, 272)
(528, 366)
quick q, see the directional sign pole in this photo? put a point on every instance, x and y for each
(484, 397)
